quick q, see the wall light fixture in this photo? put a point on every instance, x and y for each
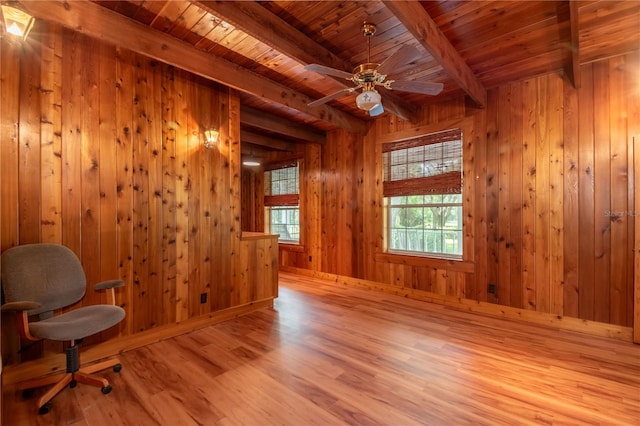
(211, 138)
(16, 21)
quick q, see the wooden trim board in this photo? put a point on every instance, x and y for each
(556, 321)
(634, 194)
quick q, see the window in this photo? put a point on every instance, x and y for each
(281, 200)
(423, 195)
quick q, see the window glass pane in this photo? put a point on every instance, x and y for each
(433, 199)
(399, 157)
(415, 155)
(283, 181)
(433, 241)
(431, 168)
(415, 199)
(452, 217)
(452, 242)
(398, 239)
(285, 221)
(452, 198)
(415, 170)
(415, 240)
(433, 156)
(430, 220)
(399, 172)
(410, 217)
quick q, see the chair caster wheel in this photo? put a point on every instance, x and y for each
(73, 384)
(105, 390)
(28, 393)
(117, 368)
(45, 408)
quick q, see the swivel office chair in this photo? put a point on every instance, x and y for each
(38, 279)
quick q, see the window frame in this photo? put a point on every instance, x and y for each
(443, 182)
(283, 201)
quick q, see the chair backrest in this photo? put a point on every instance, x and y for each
(49, 274)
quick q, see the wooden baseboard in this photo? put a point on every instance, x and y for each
(55, 363)
(560, 322)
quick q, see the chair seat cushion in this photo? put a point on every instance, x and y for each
(79, 323)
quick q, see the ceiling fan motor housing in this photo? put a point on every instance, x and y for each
(366, 74)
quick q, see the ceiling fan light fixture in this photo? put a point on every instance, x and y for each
(368, 100)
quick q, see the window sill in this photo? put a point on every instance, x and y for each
(428, 262)
(256, 236)
(291, 247)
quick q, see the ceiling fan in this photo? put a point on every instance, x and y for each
(369, 76)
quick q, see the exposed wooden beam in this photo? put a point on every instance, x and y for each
(418, 22)
(273, 123)
(573, 62)
(101, 23)
(266, 140)
(275, 32)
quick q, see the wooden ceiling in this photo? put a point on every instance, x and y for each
(261, 48)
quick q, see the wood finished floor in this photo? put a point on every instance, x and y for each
(333, 355)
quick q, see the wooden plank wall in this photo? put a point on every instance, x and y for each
(341, 205)
(252, 206)
(551, 205)
(107, 159)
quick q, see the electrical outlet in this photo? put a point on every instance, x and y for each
(491, 289)
(203, 297)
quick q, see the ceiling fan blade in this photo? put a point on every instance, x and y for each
(330, 97)
(404, 55)
(417, 87)
(376, 110)
(328, 71)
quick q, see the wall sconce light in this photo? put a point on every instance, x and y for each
(211, 137)
(17, 22)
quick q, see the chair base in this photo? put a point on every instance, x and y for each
(84, 375)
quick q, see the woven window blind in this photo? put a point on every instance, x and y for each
(429, 164)
(282, 184)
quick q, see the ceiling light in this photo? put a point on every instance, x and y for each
(251, 163)
(368, 100)
(17, 22)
